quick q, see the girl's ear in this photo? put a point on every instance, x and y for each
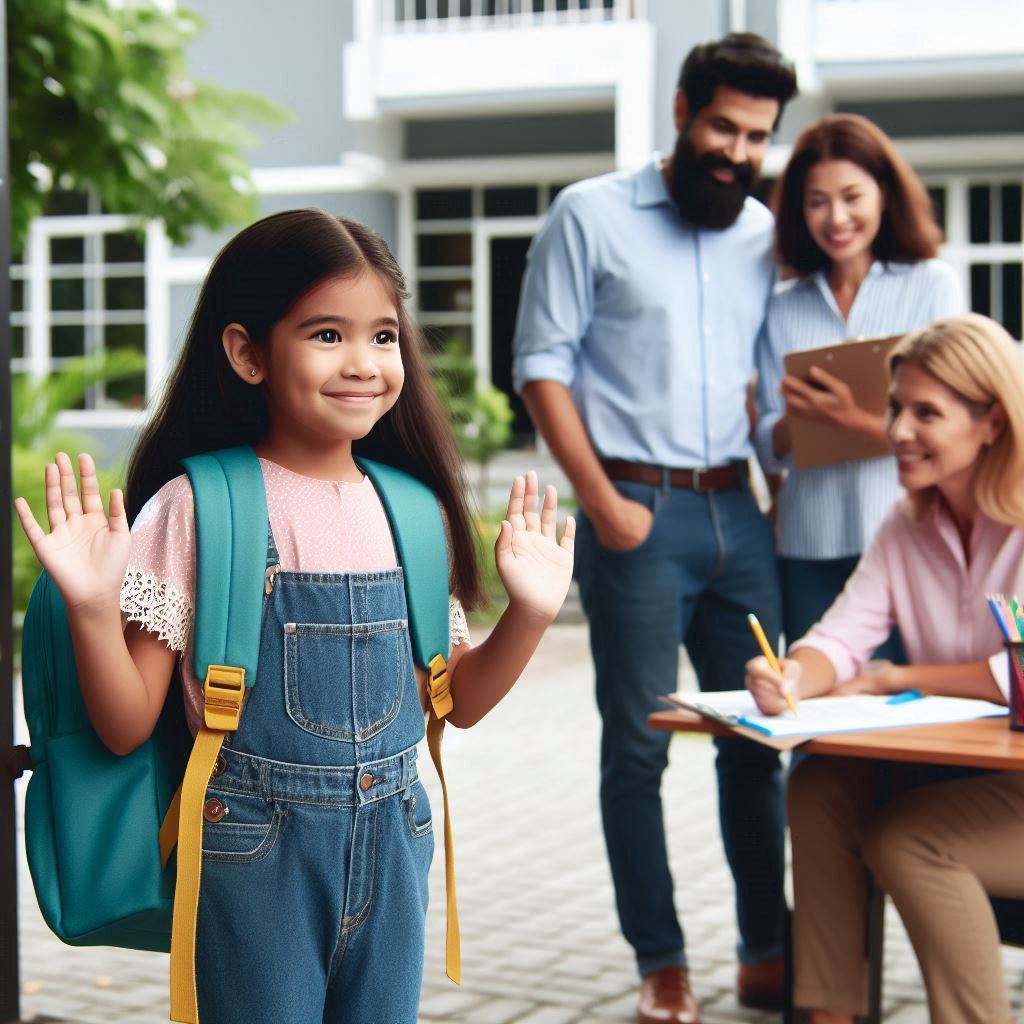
(243, 355)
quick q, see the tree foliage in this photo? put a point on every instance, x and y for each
(101, 100)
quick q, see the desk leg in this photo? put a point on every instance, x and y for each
(875, 951)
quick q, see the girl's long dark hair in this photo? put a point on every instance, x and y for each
(254, 281)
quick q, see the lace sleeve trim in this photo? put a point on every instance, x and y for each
(457, 625)
(159, 607)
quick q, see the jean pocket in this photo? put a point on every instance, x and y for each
(417, 811)
(246, 830)
(646, 495)
(344, 682)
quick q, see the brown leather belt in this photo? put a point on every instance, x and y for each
(712, 478)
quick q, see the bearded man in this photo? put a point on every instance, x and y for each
(642, 303)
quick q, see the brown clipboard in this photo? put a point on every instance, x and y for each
(863, 363)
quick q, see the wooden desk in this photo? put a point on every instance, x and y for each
(983, 743)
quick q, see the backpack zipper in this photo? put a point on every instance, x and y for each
(270, 576)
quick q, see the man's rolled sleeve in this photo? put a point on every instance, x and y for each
(557, 300)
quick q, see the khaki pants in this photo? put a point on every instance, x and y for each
(938, 849)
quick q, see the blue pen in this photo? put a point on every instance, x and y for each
(905, 697)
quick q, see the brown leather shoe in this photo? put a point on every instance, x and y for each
(665, 998)
(762, 986)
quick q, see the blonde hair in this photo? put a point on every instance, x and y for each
(979, 361)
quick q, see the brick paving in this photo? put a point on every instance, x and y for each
(540, 939)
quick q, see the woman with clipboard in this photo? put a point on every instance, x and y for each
(946, 839)
(855, 225)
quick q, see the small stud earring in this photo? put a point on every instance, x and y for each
(252, 373)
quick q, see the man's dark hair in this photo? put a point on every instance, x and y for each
(743, 61)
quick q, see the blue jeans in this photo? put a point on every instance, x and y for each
(318, 835)
(708, 561)
(809, 586)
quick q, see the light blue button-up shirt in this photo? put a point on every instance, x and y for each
(833, 511)
(649, 321)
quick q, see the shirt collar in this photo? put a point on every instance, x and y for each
(649, 188)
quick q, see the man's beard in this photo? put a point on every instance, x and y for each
(702, 199)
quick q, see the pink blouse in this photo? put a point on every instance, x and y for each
(159, 583)
(916, 576)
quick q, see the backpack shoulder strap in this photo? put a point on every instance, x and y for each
(231, 536)
(419, 534)
(418, 529)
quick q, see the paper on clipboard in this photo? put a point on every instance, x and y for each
(824, 715)
(864, 365)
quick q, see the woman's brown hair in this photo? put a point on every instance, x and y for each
(255, 279)
(981, 364)
(908, 231)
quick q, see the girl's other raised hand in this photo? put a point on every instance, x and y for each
(534, 567)
(85, 553)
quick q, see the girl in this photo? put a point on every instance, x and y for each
(943, 844)
(312, 901)
(856, 226)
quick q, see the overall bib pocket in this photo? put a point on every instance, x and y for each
(238, 827)
(345, 682)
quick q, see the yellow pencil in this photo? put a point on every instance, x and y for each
(766, 649)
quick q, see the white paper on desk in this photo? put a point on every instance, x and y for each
(821, 715)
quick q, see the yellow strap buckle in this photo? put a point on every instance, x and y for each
(224, 691)
(437, 686)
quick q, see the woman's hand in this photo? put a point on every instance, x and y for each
(881, 677)
(827, 399)
(769, 688)
(535, 568)
(85, 553)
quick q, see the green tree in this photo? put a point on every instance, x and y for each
(101, 100)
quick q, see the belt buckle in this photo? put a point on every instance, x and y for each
(696, 477)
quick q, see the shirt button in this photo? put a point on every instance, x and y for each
(219, 765)
(214, 810)
(365, 781)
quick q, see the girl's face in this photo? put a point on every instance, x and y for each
(842, 209)
(332, 366)
(937, 438)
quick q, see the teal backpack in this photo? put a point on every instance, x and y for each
(93, 818)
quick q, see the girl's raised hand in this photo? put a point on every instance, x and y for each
(534, 567)
(85, 553)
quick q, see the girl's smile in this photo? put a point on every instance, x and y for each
(331, 368)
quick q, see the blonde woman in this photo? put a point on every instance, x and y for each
(947, 839)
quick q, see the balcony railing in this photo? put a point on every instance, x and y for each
(460, 15)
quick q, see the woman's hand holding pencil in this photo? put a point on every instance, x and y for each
(772, 685)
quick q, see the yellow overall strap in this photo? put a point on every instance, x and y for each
(224, 691)
(440, 705)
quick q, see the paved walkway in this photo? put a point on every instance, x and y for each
(540, 940)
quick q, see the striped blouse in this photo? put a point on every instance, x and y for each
(833, 511)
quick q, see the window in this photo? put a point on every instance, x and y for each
(983, 221)
(81, 289)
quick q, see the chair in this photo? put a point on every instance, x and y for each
(1009, 920)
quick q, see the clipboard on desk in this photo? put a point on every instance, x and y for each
(864, 365)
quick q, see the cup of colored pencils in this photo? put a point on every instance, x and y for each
(1009, 616)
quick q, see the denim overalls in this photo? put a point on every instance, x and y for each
(317, 836)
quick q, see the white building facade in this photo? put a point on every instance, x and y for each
(448, 125)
